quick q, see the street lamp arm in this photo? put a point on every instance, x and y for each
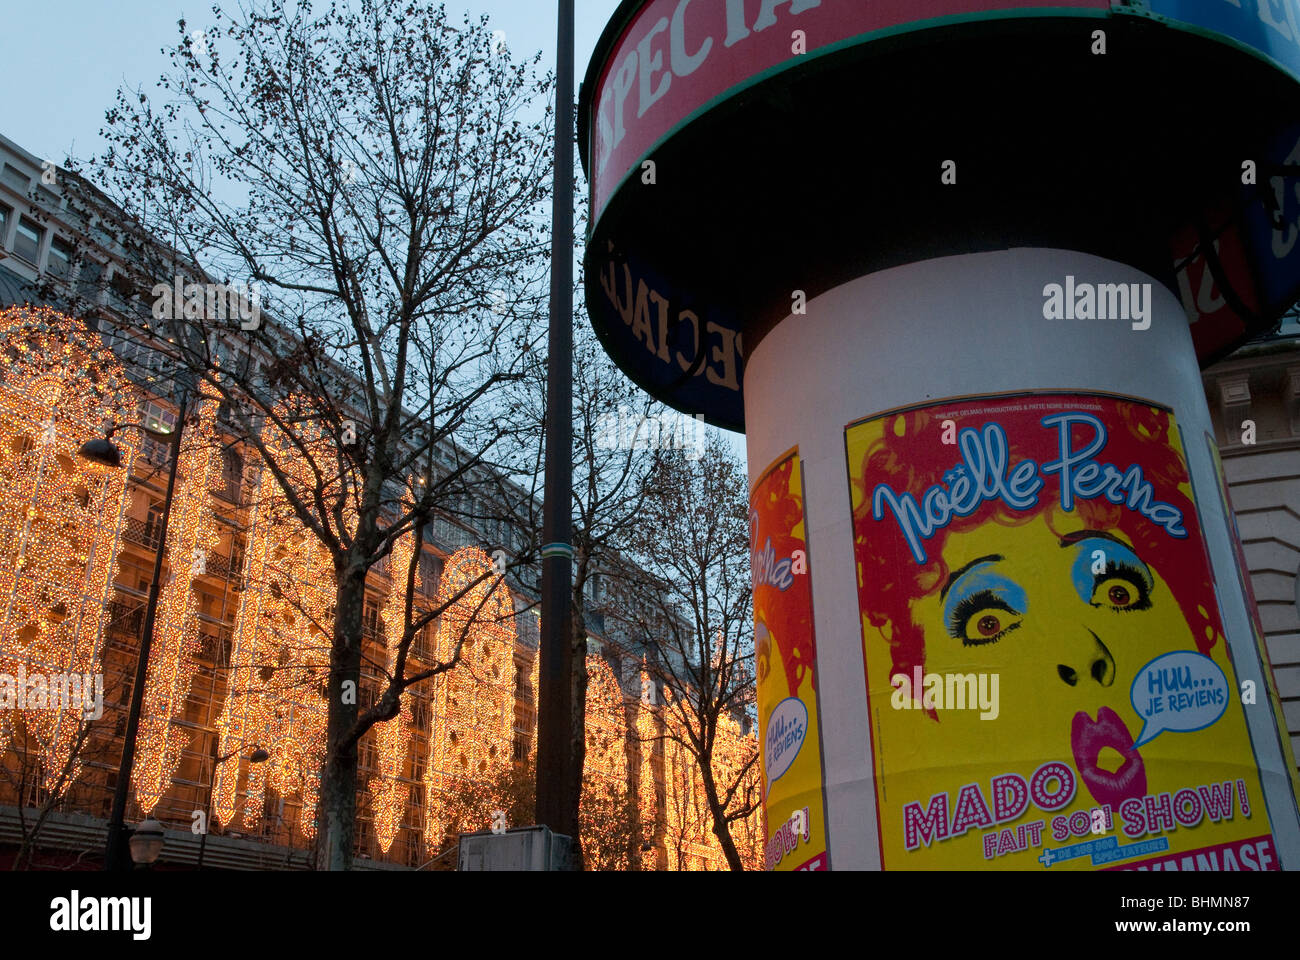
(149, 431)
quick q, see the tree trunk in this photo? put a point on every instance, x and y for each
(338, 787)
(719, 816)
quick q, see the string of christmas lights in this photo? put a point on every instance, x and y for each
(473, 704)
(605, 812)
(688, 824)
(61, 519)
(388, 794)
(61, 523)
(647, 729)
(280, 654)
(173, 659)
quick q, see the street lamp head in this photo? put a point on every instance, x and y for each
(147, 842)
(101, 450)
(104, 451)
(259, 756)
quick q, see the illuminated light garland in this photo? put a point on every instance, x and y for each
(605, 807)
(279, 666)
(388, 794)
(173, 658)
(732, 750)
(688, 823)
(686, 815)
(61, 517)
(534, 690)
(647, 729)
(473, 703)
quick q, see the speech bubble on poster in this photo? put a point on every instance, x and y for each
(786, 730)
(1179, 692)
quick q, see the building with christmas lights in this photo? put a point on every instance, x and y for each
(225, 742)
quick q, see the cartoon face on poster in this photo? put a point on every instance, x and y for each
(1048, 681)
(785, 654)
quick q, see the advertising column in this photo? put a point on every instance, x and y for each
(1031, 632)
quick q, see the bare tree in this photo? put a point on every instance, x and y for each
(368, 182)
(613, 456)
(690, 592)
(26, 776)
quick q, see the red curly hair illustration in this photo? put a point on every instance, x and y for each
(775, 512)
(889, 577)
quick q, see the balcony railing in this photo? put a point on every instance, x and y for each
(220, 566)
(215, 648)
(228, 488)
(125, 619)
(143, 532)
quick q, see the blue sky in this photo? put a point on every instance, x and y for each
(55, 105)
(65, 58)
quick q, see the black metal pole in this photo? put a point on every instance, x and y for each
(207, 815)
(115, 854)
(555, 698)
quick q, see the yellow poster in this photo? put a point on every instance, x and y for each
(1048, 681)
(785, 652)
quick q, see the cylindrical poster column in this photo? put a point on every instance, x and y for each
(1000, 615)
(995, 475)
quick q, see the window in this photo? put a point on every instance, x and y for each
(430, 572)
(121, 291)
(153, 521)
(157, 417)
(60, 262)
(104, 236)
(88, 279)
(16, 178)
(423, 715)
(232, 475)
(27, 241)
(5, 215)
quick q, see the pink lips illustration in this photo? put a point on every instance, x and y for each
(1087, 738)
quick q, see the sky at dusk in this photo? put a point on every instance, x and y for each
(57, 108)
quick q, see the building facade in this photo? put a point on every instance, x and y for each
(212, 702)
(1254, 398)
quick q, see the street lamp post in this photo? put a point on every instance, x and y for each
(104, 451)
(257, 756)
(554, 714)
